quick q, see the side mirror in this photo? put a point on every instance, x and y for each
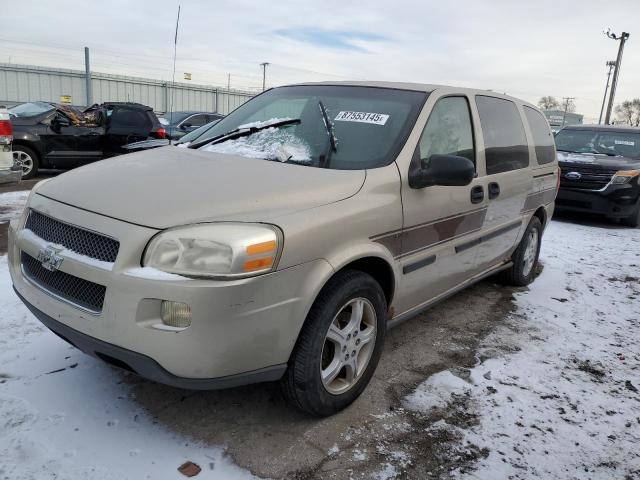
(444, 170)
(184, 126)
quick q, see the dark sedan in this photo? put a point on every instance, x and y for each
(600, 171)
(48, 135)
(179, 124)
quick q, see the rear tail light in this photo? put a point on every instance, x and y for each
(6, 132)
(161, 132)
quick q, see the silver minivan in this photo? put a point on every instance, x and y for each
(285, 242)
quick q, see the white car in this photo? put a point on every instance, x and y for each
(9, 173)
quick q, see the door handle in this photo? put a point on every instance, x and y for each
(477, 194)
(494, 190)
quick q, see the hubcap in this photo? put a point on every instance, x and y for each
(24, 160)
(530, 252)
(348, 346)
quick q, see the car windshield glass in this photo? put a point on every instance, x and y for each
(191, 136)
(173, 118)
(626, 144)
(30, 109)
(369, 124)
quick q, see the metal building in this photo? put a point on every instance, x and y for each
(26, 83)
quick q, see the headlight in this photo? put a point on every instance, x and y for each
(624, 176)
(217, 250)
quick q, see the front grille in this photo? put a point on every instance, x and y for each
(592, 177)
(77, 239)
(85, 294)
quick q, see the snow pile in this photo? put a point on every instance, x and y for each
(566, 404)
(270, 144)
(12, 204)
(66, 415)
(151, 273)
(436, 392)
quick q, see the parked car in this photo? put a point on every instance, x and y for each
(600, 171)
(179, 124)
(163, 142)
(49, 135)
(285, 243)
(9, 172)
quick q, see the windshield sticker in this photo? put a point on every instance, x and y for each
(362, 117)
(625, 142)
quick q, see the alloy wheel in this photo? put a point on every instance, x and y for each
(24, 160)
(530, 252)
(348, 346)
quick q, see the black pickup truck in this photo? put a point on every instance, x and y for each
(49, 135)
(600, 171)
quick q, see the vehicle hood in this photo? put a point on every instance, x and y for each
(171, 186)
(605, 162)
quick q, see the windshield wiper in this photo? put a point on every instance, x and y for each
(326, 158)
(242, 132)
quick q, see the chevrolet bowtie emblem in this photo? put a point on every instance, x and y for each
(49, 258)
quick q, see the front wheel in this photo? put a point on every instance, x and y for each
(339, 346)
(525, 258)
(632, 220)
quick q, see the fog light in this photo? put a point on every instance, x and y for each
(176, 314)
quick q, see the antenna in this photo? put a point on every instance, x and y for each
(173, 78)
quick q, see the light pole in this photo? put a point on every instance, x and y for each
(610, 64)
(264, 74)
(567, 100)
(622, 38)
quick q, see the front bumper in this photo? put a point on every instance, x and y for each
(239, 327)
(614, 201)
(9, 176)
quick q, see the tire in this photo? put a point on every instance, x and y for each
(525, 258)
(317, 352)
(633, 220)
(28, 158)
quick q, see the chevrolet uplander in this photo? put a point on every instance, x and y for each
(284, 244)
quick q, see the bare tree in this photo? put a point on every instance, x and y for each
(571, 105)
(548, 103)
(636, 112)
(625, 112)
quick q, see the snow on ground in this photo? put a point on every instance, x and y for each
(65, 415)
(11, 204)
(556, 392)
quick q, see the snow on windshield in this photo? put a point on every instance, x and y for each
(264, 122)
(270, 144)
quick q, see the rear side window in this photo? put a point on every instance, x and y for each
(124, 117)
(504, 138)
(542, 137)
(196, 120)
(448, 130)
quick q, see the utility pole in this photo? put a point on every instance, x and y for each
(622, 38)
(87, 76)
(610, 64)
(566, 107)
(228, 91)
(264, 74)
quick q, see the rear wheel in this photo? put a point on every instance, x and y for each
(27, 159)
(525, 258)
(339, 346)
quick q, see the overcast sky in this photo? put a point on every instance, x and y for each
(546, 47)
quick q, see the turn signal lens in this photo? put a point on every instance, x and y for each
(175, 314)
(259, 264)
(264, 247)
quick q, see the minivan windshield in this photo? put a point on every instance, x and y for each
(605, 142)
(369, 126)
(30, 109)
